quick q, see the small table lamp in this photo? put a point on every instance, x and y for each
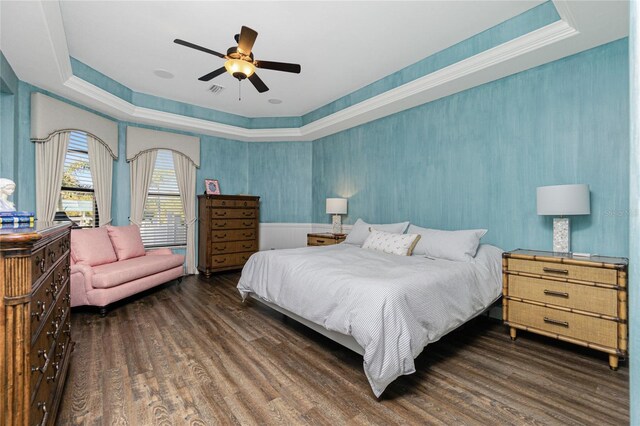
(562, 200)
(336, 207)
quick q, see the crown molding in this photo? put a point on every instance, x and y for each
(508, 58)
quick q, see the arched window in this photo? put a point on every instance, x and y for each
(77, 198)
(163, 221)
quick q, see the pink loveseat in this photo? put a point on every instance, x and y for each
(110, 263)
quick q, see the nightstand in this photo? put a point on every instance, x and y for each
(581, 300)
(326, 239)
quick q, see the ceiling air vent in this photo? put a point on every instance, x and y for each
(216, 89)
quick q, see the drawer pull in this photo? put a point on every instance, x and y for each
(221, 236)
(220, 248)
(221, 225)
(320, 241)
(45, 365)
(52, 256)
(247, 224)
(247, 214)
(556, 293)
(43, 308)
(555, 271)
(556, 322)
(43, 406)
(247, 246)
(219, 213)
(250, 234)
(221, 260)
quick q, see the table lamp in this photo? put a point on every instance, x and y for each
(336, 207)
(562, 200)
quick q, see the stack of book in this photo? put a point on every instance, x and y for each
(16, 219)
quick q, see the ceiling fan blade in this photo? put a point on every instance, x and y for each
(257, 83)
(212, 74)
(246, 40)
(200, 48)
(279, 66)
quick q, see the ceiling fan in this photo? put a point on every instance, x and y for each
(240, 62)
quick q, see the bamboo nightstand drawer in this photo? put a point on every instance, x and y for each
(570, 295)
(324, 239)
(573, 272)
(595, 330)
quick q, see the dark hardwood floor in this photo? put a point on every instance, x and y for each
(193, 353)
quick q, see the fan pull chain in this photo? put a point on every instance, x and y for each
(239, 90)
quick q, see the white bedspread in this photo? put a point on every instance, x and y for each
(392, 305)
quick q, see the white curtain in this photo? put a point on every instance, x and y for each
(101, 165)
(186, 177)
(50, 157)
(141, 172)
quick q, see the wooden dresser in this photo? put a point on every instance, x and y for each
(582, 300)
(325, 239)
(36, 330)
(227, 231)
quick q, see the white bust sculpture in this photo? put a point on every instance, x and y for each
(7, 186)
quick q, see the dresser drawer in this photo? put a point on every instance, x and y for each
(582, 297)
(233, 259)
(38, 264)
(321, 241)
(233, 213)
(233, 224)
(57, 249)
(233, 203)
(234, 247)
(590, 329)
(41, 303)
(233, 235)
(41, 405)
(575, 272)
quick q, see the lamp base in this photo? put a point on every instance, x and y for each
(336, 224)
(561, 235)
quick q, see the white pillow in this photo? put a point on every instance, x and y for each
(360, 231)
(388, 242)
(450, 245)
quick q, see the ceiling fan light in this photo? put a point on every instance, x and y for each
(238, 66)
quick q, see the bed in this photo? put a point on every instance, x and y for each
(383, 306)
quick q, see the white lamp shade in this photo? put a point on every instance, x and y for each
(336, 206)
(563, 200)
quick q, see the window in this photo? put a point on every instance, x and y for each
(77, 198)
(163, 220)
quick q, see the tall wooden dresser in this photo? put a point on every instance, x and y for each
(227, 231)
(582, 300)
(35, 342)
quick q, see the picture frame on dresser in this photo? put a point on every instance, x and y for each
(211, 187)
(576, 299)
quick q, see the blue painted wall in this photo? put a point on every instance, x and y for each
(9, 103)
(474, 159)
(280, 173)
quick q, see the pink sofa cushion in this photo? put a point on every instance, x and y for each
(123, 271)
(92, 247)
(127, 241)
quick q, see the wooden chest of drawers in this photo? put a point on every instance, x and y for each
(578, 300)
(35, 342)
(228, 231)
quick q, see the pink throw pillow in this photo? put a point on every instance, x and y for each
(126, 241)
(92, 247)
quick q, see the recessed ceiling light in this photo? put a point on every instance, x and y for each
(163, 73)
(275, 101)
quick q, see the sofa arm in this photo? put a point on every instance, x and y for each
(84, 272)
(159, 252)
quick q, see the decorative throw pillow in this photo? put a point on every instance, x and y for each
(450, 245)
(360, 231)
(92, 247)
(388, 242)
(126, 241)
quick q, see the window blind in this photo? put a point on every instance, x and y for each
(77, 198)
(163, 220)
